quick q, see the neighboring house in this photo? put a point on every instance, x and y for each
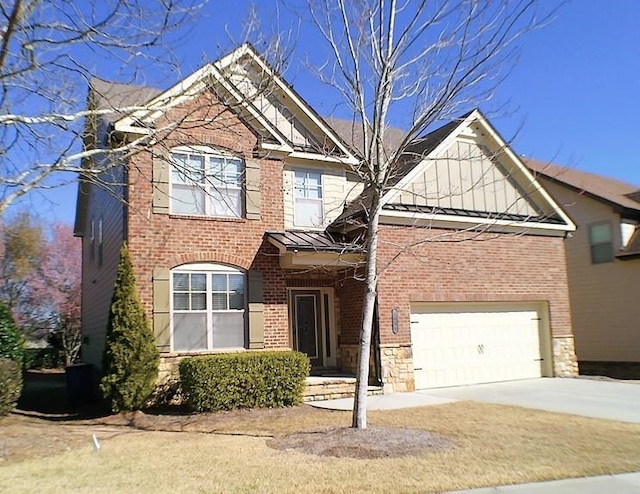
(244, 221)
(603, 264)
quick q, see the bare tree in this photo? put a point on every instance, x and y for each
(49, 51)
(431, 60)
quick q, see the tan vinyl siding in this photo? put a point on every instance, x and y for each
(467, 177)
(98, 280)
(338, 188)
(604, 297)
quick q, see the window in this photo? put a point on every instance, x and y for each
(600, 243)
(307, 195)
(100, 247)
(208, 307)
(92, 240)
(206, 184)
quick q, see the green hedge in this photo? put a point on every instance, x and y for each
(244, 380)
(10, 385)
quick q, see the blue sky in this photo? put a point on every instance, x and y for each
(573, 98)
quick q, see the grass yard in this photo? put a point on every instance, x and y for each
(229, 452)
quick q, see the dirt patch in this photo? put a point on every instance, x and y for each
(373, 442)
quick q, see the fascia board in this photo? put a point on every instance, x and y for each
(182, 91)
(525, 171)
(302, 106)
(459, 222)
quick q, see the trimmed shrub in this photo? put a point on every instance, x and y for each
(10, 385)
(244, 380)
(11, 341)
(130, 361)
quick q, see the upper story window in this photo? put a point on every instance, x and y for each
(100, 243)
(208, 307)
(308, 193)
(205, 183)
(92, 240)
(600, 242)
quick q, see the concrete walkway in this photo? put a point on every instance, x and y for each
(385, 402)
(626, 483)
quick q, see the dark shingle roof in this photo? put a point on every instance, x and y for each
(112, 95)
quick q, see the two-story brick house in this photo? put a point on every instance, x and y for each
(242, 215)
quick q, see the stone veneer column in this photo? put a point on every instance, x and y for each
(565, 363)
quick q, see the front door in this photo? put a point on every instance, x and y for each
(307, 328)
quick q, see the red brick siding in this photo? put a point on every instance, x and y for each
(489, 267)
(161, 240)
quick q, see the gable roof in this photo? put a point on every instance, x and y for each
(245, 101)
(421, 154)
(621, 195)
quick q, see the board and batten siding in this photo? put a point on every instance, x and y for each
(98, 279)
(604, 297)
(338, 189)
(467, 177)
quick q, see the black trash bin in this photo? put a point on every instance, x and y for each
(80, 384)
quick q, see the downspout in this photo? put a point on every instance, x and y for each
(377, 360)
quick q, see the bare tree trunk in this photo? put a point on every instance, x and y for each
(359, 417)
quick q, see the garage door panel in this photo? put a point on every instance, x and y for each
(460, 347)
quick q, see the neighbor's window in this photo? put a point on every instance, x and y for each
(600, 243)
(204, 183)
(208, 307)
(100, 243)
(308, 210)
(92, 240)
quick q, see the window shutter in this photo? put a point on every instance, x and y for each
(161, 309)
(252, 189)
(256, 310)
(160, 179)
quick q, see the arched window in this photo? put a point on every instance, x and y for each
(207, 307)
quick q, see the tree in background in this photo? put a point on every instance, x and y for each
(131, 358)
(41, 273)
(23, 245)
(61, 273)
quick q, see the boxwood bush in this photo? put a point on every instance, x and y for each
(244, 380)
(10, 385)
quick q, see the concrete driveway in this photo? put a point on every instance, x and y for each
(601, 399)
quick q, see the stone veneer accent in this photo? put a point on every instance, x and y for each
(565, 363)
(397, 368)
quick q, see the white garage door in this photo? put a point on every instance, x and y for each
(457, 345)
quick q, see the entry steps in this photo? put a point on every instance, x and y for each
(334, 387)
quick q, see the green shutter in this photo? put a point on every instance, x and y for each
(256, 310)
(160, 179)
(161, 309)
(253, 196)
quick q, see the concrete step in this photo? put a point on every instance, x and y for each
(333, 388)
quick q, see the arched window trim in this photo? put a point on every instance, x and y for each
(208, 307)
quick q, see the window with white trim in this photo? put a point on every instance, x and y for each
(600, 243)
(206, 183)
(307, 197)
(208, 307)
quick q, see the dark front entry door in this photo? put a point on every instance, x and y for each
(307, 331)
